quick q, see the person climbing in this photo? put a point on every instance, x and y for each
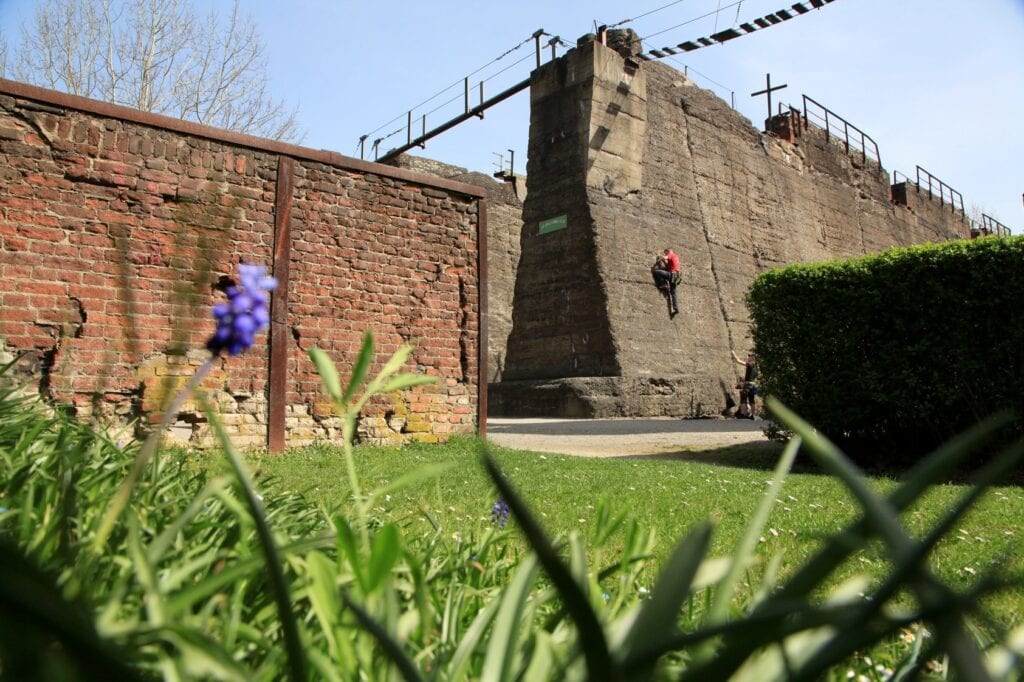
(663, 280)
(675, 276)
(748, 387)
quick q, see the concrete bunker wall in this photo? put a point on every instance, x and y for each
(627, 159)
(117, 227)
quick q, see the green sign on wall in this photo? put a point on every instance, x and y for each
(552, 224)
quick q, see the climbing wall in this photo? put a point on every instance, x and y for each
(628, 158)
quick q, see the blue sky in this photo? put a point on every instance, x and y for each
(936, 83)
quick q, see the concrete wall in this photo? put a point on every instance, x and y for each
(639, 159)
(117, 227)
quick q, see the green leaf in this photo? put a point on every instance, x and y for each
(459, 664)
(395, 362)
(404, 381)
(347, 547)
(659, 615)
(386, 549)
(328, 374)
(360, 369)
(297, 663)
(600, 664)
(202, 656)
(744, 552)
(391, 648)
(323, 594)
(502, 652)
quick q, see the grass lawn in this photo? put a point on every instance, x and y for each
(667, 494)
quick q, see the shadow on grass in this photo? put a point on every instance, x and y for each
(764, 456)
(759, 456)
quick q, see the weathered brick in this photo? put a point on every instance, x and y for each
(102, 253)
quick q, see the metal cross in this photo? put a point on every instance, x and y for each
(768, 91)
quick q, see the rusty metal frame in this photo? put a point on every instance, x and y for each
(277, 397)
(481, 325)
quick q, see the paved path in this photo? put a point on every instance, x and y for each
(618, 437)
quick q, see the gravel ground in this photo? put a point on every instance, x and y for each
(622, 437)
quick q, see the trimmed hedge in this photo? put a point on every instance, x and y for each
(889, 355)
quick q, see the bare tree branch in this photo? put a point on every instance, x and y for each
(156, 55)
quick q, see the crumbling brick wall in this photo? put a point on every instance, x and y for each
(504, 223)
(118, 229)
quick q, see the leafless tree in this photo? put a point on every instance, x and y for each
(156, 55)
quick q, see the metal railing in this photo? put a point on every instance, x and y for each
(987, 226)
(855, 139)
(946, 194)
(469, 109)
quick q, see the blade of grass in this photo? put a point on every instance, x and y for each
(391, 648)
(659, 615)
(840, 546)
(460, 660)
(31, 599)
(272, 561)
(744, 551)
(501, 649)
(883, 517)
(600, 665)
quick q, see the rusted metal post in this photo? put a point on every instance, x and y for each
(536, 43)
(554, 44)
(277, 397)
(408, 127)
(465, 88)
(481, 325)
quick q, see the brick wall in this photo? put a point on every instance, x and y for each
(117, 228)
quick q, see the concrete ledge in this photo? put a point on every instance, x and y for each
(600, 397)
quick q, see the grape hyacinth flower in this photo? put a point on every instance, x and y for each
(245, 312)
(499, 513)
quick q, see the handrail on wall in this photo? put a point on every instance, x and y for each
(943, 189)
(833, 122)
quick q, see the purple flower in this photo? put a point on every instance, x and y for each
(245, 312)
(499, 513)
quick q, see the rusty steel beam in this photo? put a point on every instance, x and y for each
(277, 398)
(478, 111)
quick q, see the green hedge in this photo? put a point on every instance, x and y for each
(891, 354)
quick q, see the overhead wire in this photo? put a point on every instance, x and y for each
(690, 21)
(645, 14)
(556, 41)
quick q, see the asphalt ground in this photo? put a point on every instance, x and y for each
(622, 437)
